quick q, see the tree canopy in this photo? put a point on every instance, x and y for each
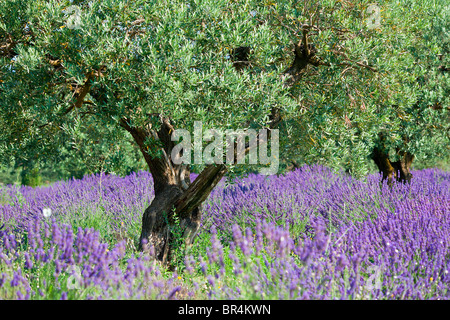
(343, 81)
(63, 85)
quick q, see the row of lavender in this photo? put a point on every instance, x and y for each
(308, 234)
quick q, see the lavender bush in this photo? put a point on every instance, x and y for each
(309, 234)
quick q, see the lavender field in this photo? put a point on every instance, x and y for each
(308, 234)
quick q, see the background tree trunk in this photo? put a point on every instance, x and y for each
(381, 159)
(398, 170)
(402, 167)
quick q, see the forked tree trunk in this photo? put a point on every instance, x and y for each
(173, 192)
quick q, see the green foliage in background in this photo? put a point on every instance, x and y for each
(141, 57)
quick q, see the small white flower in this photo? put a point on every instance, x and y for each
(47, 212)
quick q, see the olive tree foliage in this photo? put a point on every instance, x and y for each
(339, 87)
(162, 57)
(397, 104)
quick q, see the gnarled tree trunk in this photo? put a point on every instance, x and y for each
(173, 192)
(187, 203)
(398, 170)
(402, 167)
